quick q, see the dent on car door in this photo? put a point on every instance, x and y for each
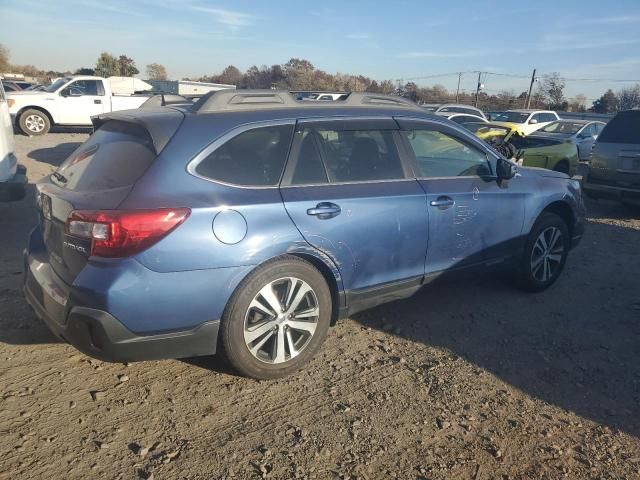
(472, 217)
(351, 196)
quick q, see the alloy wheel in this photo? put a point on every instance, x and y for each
(546, 256)
(34, 123)
(281, 320)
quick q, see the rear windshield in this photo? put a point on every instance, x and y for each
(624, 128)
(116, 155)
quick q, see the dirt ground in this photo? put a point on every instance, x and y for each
(469, 379)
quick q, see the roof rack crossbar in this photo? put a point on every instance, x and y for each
(229, 100)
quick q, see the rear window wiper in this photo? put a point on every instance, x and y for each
(58, 176)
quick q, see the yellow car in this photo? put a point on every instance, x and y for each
(533, 150)
(525, 121)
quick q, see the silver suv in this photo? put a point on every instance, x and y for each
(614, 171)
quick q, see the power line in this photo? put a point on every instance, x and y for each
(515, 75)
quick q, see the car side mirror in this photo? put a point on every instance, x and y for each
(505, 169)
(533, 121)
(64, 93)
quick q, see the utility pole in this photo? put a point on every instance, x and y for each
(533, 79)
(478, 89)
(458, 90)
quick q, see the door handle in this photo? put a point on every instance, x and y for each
(97, 102)
(443, 202)
(325, 210)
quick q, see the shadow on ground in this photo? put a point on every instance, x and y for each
(54, 155)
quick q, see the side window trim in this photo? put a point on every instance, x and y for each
(445, 129)
(224, 138)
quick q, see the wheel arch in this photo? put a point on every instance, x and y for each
(34, 107)
(564, 211)
(331, 275)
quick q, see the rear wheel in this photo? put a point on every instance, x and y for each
(277, 319)
(34, 122)
(545, 253)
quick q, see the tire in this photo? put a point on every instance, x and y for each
(252, 331)
(34, 123)
(562, 166)
(533, 274)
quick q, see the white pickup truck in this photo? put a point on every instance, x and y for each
(72, 101)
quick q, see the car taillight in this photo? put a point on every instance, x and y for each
(119, 233)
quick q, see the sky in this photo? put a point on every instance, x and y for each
(589, 42)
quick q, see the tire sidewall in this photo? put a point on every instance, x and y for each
(23, 126)
(232, 326)
(545, 221)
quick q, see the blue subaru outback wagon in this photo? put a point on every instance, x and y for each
(246, 223)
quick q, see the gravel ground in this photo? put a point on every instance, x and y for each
(468, 379)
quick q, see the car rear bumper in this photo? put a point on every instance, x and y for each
(14, 188)
(99, 334)
(612, 192)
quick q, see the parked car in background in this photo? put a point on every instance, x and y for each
(252, 221)
(9, 87)
(493, 114)
(582, 133)
(533, 150)
(73, 101)
(16, 85)
(454, 108)
(526, 121)
(461, 118)
(13, 177)
(614, 168)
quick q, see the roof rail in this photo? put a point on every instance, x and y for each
(238, 100)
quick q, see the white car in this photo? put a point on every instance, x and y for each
(13, 177)
(525, 121)
(72, 101)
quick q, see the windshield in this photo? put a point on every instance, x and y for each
(57, 84)
(563, 127)
(513, 117)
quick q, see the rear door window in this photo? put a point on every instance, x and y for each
(116, 155)
(252, 158)
(359, 155)
(623, 128)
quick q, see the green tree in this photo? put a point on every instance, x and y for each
(85, 71)
(607, 103)
(156, 71)
(107, 65)
(127, 67)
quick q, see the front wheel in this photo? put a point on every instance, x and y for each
(277, 319)
(34, 122)
(545, 253)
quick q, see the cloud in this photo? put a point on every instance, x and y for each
(357, 36)
(438, 54)
(616, 20)
(231, 18)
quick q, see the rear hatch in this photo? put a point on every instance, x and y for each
(615, 159)
(97, 176)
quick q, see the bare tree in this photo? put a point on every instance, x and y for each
(156, 71)
(552, 86)
(4, 59)
(629, 98)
